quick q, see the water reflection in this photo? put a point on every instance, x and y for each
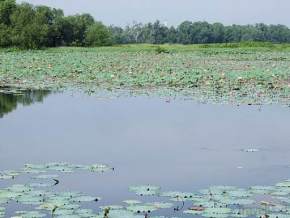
(9, 99)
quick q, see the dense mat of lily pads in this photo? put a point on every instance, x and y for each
(216, 201)
(229, 74)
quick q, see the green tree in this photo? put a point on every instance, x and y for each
(29, 30)
(6, 9)
(98, 35)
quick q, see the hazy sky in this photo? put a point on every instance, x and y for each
(122, 12)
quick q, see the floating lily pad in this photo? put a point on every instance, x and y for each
(46, 177)
(283, 184)
(216, 212)
(122, 214)
(179, 195)
(5, 177)
(193, 212)
(112, 207)
(145, 208)
(99, 168)
(86, 198)
(29, 214)
(130, 202)
(145, 190)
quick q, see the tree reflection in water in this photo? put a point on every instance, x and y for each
(9, 99)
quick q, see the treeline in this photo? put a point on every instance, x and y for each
(27, 26)
(199, 32)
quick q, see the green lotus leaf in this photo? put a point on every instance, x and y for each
(145, 190)
(218, 190)
(193, 212)
(217, 212)
(61, 212)
(9, 174)
(2, 211)
(239, 193)
(85, 199)
(284, 199)
(56, 164)
(278, 215)
(48, 206)
(35, 167)
(13, 173)
(34, 171)
(6, 195)
(69, 216)
(85, 212)
(79, 167)
(130, 202)
(46, 177)
(99, 168)
(179, 195)
(161, 205)
(205, 202)
(285, 183)
(32, 200)
(123, 214)
(242, 201)
(280, 193)
(19, 188)
(29, 214)
(62, 169)
(5, 177)
(145, 208)
(112, 207)
(263, 190)
(70, 206)
(240, 213)
(40, 193)
(69, 194)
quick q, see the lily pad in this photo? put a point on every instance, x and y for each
(131, 202)
(144, 190)
(29, 214)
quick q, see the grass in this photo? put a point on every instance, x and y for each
(251, 72)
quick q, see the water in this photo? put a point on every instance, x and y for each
(178, 145)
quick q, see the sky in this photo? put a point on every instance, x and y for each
(173, 12)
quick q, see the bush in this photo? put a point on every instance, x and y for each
(160, 50)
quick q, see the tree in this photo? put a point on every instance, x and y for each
(28, 30)
(5, 36)
(6, 9)
(117, 35)
(98, 35)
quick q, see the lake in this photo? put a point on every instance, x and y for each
(177, 144)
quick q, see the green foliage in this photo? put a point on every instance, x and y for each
(5, 35)
(250, 74)
(28, 27)
(97, 35)
(6, 9)
(160, 50)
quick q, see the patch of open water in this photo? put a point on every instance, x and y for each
(178, 145)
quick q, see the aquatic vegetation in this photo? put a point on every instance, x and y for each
(145, 190)
(239, 75)
(215, 201)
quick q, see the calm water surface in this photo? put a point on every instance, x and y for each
(181, 145)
